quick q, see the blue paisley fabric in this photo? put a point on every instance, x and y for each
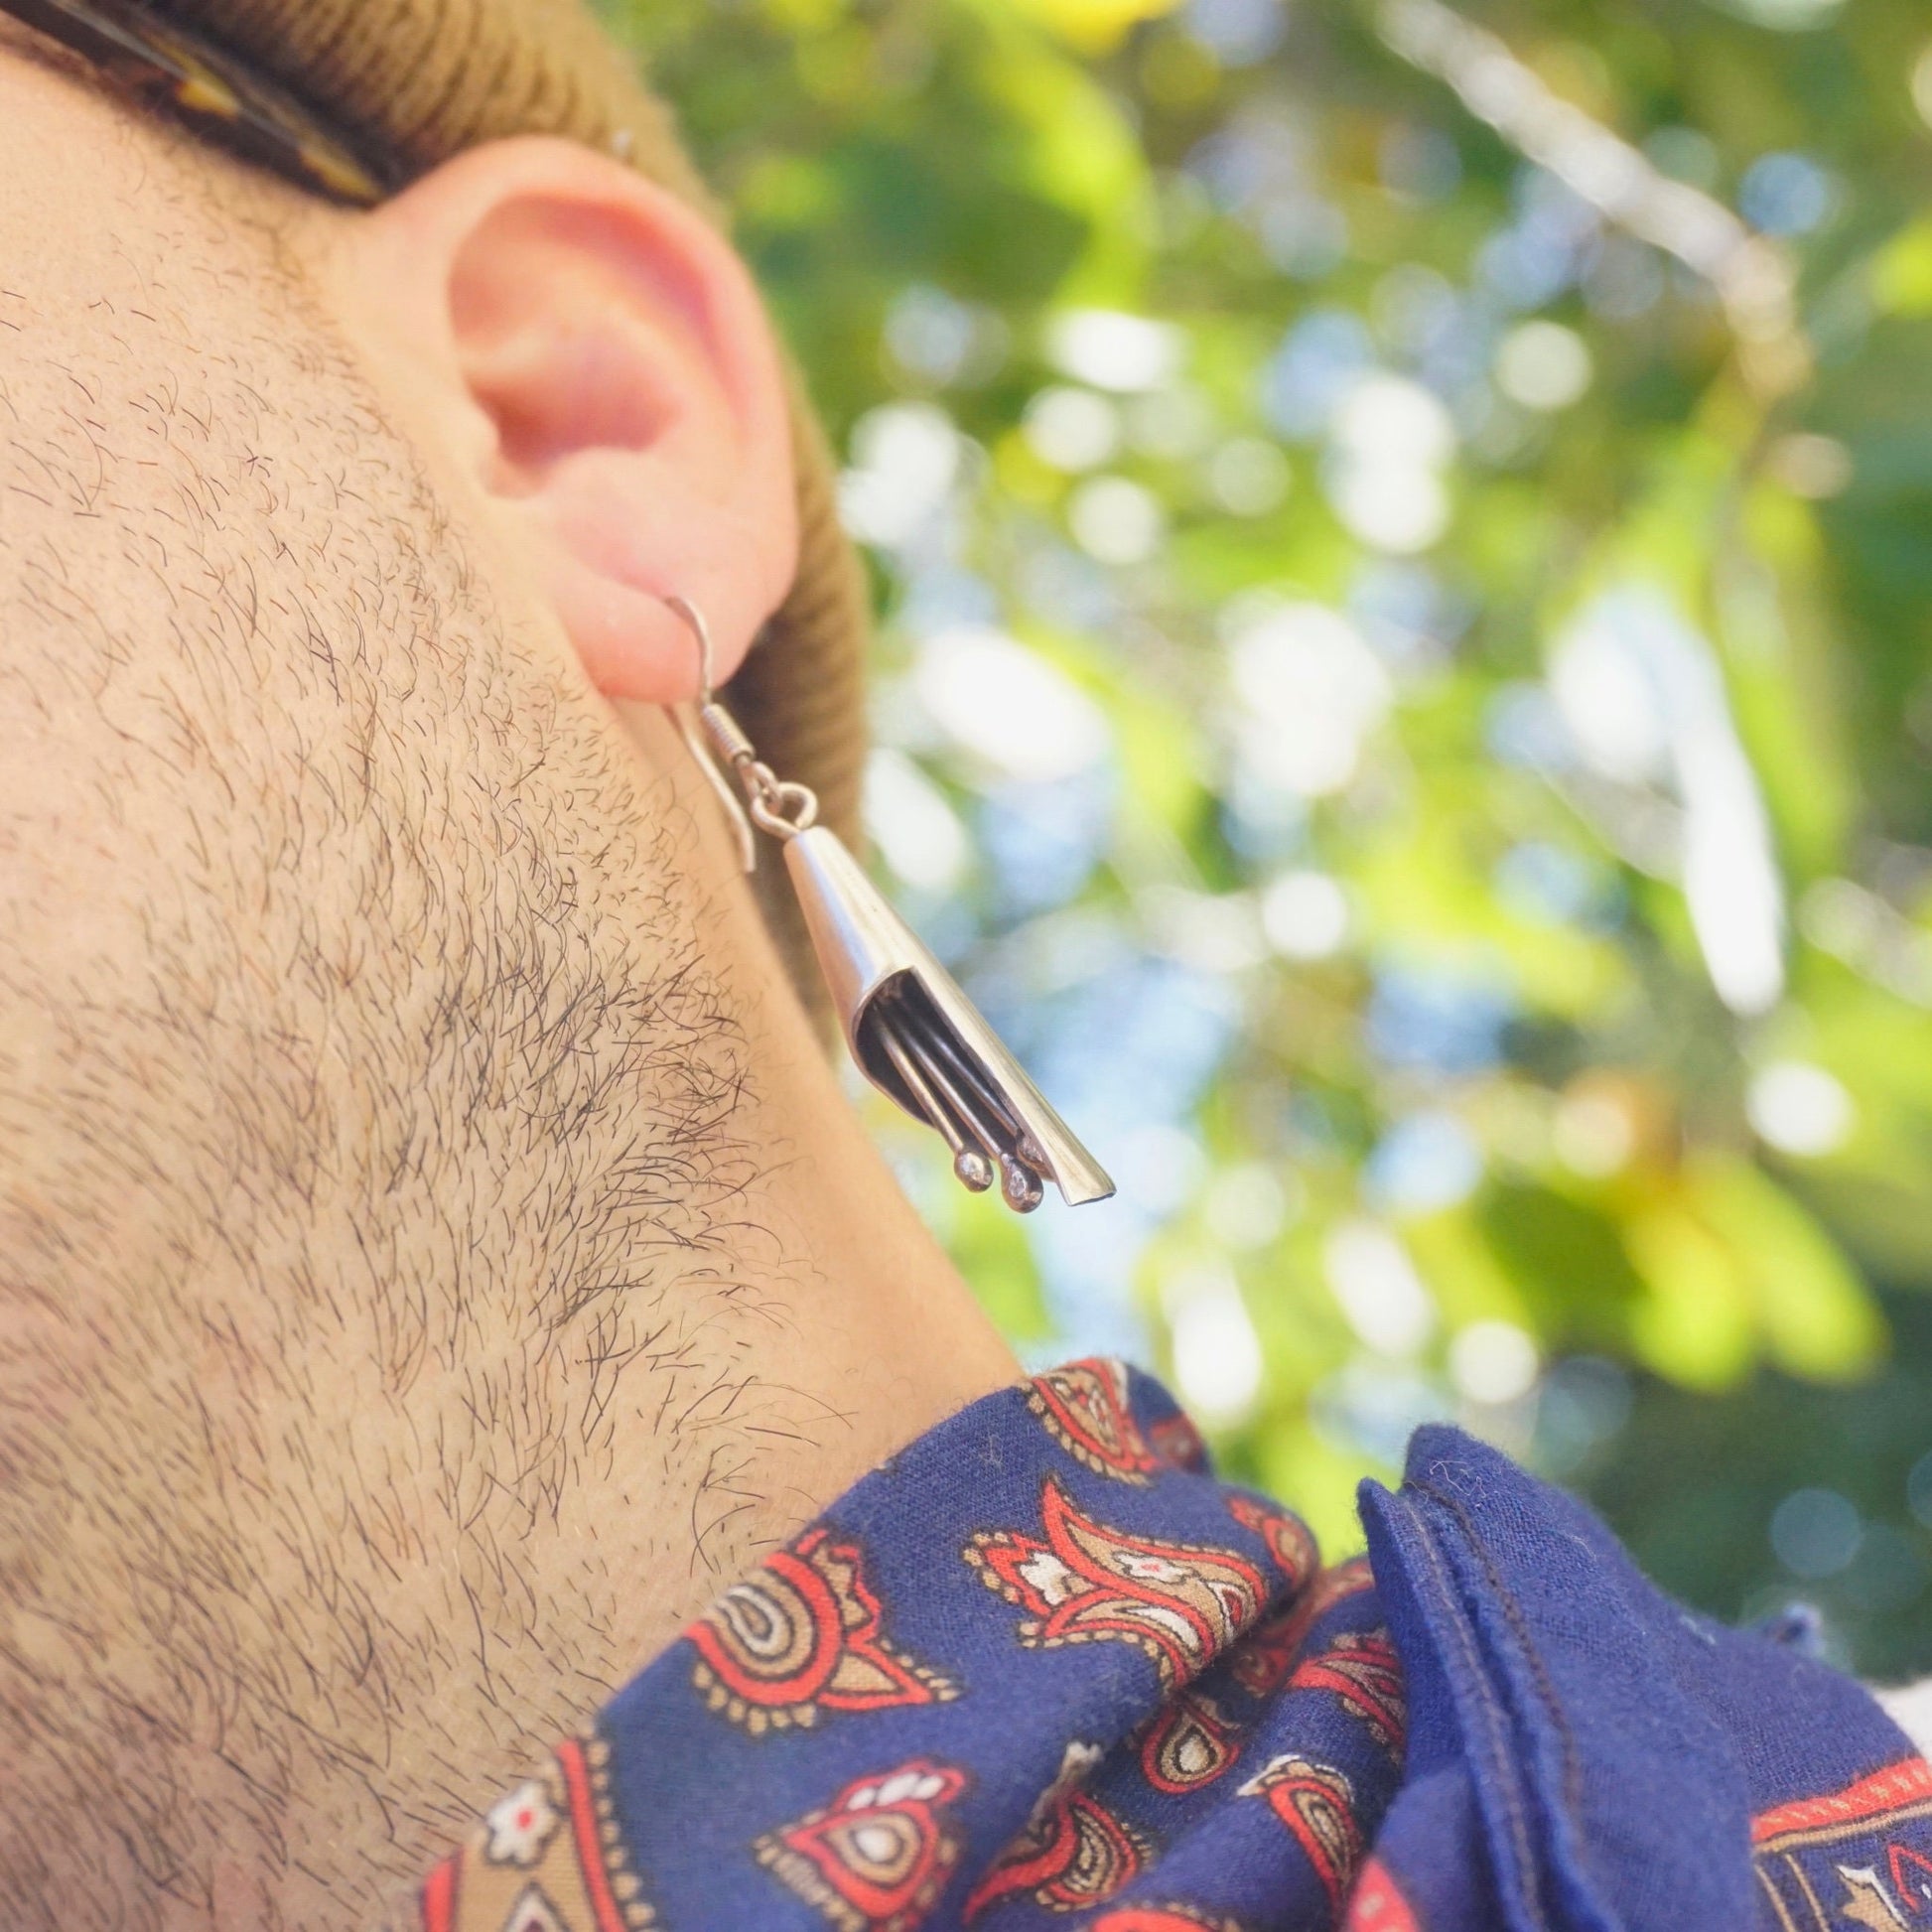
(1043, 1670)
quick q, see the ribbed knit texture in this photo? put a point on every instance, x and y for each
(424, 79)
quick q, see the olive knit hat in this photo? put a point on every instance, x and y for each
(422, 80)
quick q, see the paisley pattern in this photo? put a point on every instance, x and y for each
(1178, 1444)
(1082, 1581)
(1042, 1671)
(1287, 1537)
(549, 1859)
(1316, 1803)
(801, 1637)
(1857, 1857)
(1361, 1668)
(1075, 1852)
(1085, 1409)
(1188, 1745)
(875, 1858)
(1266, 1659)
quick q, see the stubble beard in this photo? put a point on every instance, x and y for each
(382, 1283)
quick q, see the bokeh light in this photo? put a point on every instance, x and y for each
(1404, 687)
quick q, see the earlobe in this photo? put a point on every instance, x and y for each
(600, 366)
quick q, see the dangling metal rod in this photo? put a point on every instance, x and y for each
(904, 1027)
(973, 1164)
(942, 1047)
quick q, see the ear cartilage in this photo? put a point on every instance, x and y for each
(913, 1032)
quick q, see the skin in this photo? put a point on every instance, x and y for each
(434, 1254)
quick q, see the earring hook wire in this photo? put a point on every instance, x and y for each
(735, 813)
(694, 620)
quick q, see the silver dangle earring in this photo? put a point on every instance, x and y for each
(913, 1032)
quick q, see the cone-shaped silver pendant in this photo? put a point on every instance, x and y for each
(913, 1033)
(918, 1039)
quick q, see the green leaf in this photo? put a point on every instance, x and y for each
(1817, 1318)
(1696, 1324)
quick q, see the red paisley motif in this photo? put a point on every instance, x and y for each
(1363, 1669)
(1085, 1408)
(1082, 1581)
(550, 1856)
(876, 1857)
(1188, 1745)
(1074, 1854)
(1911, 1876)
(1287, 1537)
(592, 1822)
(801, 1635)
(1863, 1847)
(1317, 1805)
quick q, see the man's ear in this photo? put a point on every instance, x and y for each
(593, 355)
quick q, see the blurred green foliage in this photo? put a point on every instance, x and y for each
(1406, 547)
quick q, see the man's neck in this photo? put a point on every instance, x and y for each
(868, 1320)
(433, 1513)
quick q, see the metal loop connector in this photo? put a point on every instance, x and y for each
(779, 806)
(776, 806)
